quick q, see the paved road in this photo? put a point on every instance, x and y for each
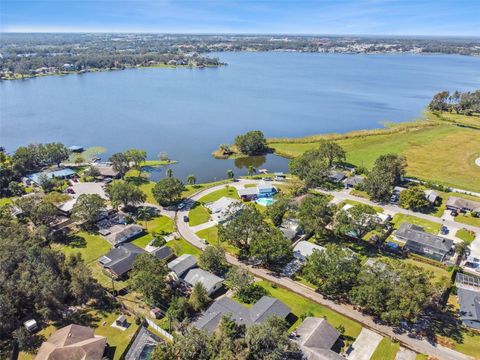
(420, 346)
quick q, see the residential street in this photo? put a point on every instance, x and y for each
(420, 346)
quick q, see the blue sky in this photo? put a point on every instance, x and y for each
(377, 17)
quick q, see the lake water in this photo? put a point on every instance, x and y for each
(187, 113)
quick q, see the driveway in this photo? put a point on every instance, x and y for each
(405, 354)
(203, 226)
(364, 345)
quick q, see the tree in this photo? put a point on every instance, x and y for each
(45, 182)
(241, 282)
(138, 157)
(251, 170)
(88, 208)
(271, 248)
(252, 143)
(242, 229)
(276, 211)
(169, 172)
(120, 163)
(191, 179)
(168, 191)
(230, 174)
(199, 297)
(179, 309)
(334, 270)
(356, 221)
(395, 291)
(148, 277)
(314, 214)
(378, 185)
(44, 214)
(414, 199)
(92, 171)
(331, 151)
(311, 167)
(124, 193)
(54, 153)
(213, 259)
(194, 344)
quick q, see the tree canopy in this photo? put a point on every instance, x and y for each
(387, 172)
(124, 193)
(414, 198)
(252, 143)
(168, 191)
(356, 221)
(315, 213)
(87, 208)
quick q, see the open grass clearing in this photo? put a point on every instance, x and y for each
(300, 305)
(181, 246)
(386, 350)
(466, 235)
(468, 344)
(198, 214)
(428, 226)
(227, 191)
(6, 201)
(211, 236)
(468, 219)
(158, 224)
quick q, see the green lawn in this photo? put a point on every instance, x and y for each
(469, 343)
(360, 193)
(429, 226)
(5, 201)
(438, 272)
(227, 191)
(198, 214)
(466, 235)
(211, 236)
(386, 350)
(91, 246)
(181, 246)
(442, 153)
(300, 305)
(468, 219)
(156, 225)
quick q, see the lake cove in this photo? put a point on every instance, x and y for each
(187, 113)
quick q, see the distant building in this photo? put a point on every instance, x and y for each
(290, 228)
(259, 312)
(301, 252)
(76, 148)
(144, 343)
(336, 176)
(459, 204)
(315, 338)
(468, 294)
(58, 174)
(119, 261)
(420, 242)
(263, 189)
(73, 342)
(106, 171)
(353, 181)
(31, 325)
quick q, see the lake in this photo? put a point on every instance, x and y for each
(187, 113)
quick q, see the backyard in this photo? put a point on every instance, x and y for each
(159, 224)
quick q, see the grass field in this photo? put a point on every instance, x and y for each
(466, 235)
(211, 236)
(386, 350)
(428, 226)
(443, 153)
(181, 246)
(155, 225)
(5, 201)
(468, 219)
(198, 215)
(468, 345)
(227, 191)
(300, 305)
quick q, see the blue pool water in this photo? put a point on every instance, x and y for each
(265, 201)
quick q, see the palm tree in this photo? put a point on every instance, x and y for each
(144, 214)
(169, 172)
(251, 170)
(230, 174)
(191, 179)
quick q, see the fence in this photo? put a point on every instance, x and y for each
(164, 333)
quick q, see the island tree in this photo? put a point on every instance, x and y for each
(311, 167)
(137, 157)
(168, 191)
(191, 179)
(252, 143)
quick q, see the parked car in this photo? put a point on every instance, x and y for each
(186, 219)
(181, 206)
(70, 191)
(454, 213)
(444, 230)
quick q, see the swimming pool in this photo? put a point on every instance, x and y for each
(265, 201)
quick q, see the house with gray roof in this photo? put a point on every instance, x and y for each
(263, 189)
(124, 234)
(422, 243)
(182, 264)
(259, 312)
(210, 282)
(315, 338)
(459, 204)
(119, 261)
(468, 295)
(224, 209)
(431, 196)
(353, 181)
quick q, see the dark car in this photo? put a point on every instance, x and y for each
(185, 218)
(454, 213)
(444, 230)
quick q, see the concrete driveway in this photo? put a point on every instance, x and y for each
(405, 354)
(364, 345)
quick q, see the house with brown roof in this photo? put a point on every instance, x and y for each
(73, 342)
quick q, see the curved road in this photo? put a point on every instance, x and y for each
(420, 346)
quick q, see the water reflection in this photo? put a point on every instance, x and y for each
(245, 162)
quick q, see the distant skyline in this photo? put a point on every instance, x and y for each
(329, 17)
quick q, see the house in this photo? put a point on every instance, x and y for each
(106, 171)
(31, 325)
(262, 190)
(58, 174)
(122, 321)
(119, 261)
(468, 295)
(290, 228)
(336, 176)
(315, 338)
(353, 181)
(420, 242)
(73, 342)
(259, 312)
(304, 249)
(143, 345)
(459, 204)
(224, 209)
(431, 196)
(210, 282)
(379, 218)
(182, 264)
(163, 253)
(124, 234)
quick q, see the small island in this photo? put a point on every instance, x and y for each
(252, 143)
